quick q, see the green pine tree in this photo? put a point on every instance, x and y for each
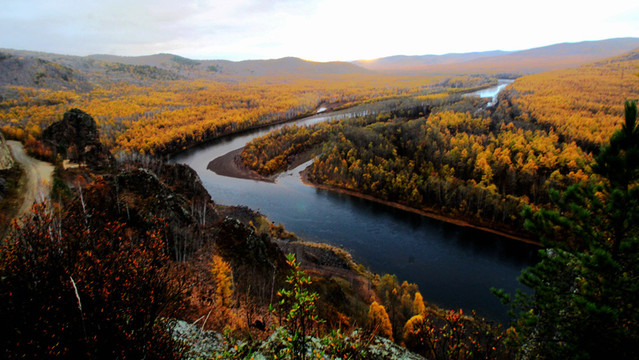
(586, 285)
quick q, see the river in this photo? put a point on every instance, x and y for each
(493, 91)
(454, 266)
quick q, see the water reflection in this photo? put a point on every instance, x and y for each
(454, 266)
(492, 91)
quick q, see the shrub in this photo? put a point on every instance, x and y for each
(75, 285)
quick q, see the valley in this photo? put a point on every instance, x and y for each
(406, 187)
(386, 239)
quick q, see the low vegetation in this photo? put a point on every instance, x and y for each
(69, 291)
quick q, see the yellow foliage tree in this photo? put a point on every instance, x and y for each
(379, 321)
(418, 305)
(223, 281)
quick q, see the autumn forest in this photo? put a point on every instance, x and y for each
(129, 254)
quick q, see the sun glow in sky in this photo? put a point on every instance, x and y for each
(320, 30)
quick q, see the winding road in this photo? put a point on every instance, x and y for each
(39, 175)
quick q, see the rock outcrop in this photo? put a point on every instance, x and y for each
(6, 163)
(76, 138)
(240, 244)
(209, 344)
(6, 160)
(138, 197)
(184, 180)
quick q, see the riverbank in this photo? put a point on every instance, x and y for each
(231, 165)
(323, 109)
(336, 110)
(431, 213)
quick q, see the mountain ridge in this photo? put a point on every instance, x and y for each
(531, 60)
(428, 59)
(182, 67)
(165, 66)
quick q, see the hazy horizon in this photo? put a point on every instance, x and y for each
(293, 56)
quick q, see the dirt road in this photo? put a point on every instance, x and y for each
(38, 177)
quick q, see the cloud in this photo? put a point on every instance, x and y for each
(311, 29)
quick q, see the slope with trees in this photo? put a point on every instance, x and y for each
(432, 156)
(164, 117)
(583, 104)
(586, 282)
(455, 158)
(123, 251)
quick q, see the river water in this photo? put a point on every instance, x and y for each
(454, 266)
(492, 91)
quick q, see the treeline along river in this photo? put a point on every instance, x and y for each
(454, 266)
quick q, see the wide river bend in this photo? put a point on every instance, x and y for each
(454, 266)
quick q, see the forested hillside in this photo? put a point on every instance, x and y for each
(125, 254)
(130, 247)
(457, 158)
(147, 109)
(582, 104)
(449, 162)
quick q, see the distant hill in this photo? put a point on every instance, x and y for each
(55, 71)
(170, 67)
(36, 72)
(408, 62)
(283, 66)
(525, 61)
(30, 68)
(288, 65)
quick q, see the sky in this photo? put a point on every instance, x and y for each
(318, 30)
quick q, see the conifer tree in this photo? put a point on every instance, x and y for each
(587, 281)
(379, 321)
(223, 280)
(418, 305)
